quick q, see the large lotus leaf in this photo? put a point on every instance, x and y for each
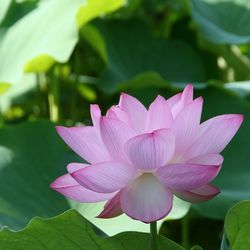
(223, 21)
(132, 50)
(48, 33)
(71, 231)
(31, 156)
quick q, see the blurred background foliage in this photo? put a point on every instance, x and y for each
(58, 56)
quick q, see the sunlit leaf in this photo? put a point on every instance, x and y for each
(48, 33)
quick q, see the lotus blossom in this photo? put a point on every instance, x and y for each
(139, 158)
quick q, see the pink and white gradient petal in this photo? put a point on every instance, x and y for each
(74, 166)
(173, 100)
(186, 125)
(118, 114)
(135, 110)
(208, 159)
(185, 99)
(85, 141)
(115, 134)
(152, 150)
(214, 135)
(105, 177)
(146, 199)
(198, 195)
(95, 113)
(186, 176)
(69, 187)
(112, 208)
(159, 115)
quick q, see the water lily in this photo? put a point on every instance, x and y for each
(139, 158)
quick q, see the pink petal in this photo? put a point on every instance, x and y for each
(135, 110)
(172, 101)
(200, 194)
(152, 150)
(118, 114)
(186, 98)
(146, 199)
(112, 208)
(70, 188)
(187, 176)
(208, 159)
(214, 135)
(95, 113)
(159, 115)
(186, 125)
(105, 177)
(85, 142)
(72, 167)
(115, 134)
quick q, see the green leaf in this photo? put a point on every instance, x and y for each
(5, 4)
(16, 94)
(237, 226)
(241, 88)
(39, 46)
(95, 8)
(95, 39)
(71, 231)
(4, 87)
(223, 21)
(26, 172)
(132, 50)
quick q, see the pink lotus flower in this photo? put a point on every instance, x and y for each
(139, 158)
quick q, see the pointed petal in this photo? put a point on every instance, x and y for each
(159, 115)
(118, 114)
(115, 134)
(85, 142)
(70, 188)
(95, 113)
(146, 199)
(187, 94)
(200, 194)
(152, 150)
(105, 177)
(186, 98)
(186, 125)
(172, 101)
(135, 110)
(72, 167)
(187, 176)
(214, 135)
(112, 208)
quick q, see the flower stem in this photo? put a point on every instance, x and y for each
(185, 232)
(153, 232)
(53, 96)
